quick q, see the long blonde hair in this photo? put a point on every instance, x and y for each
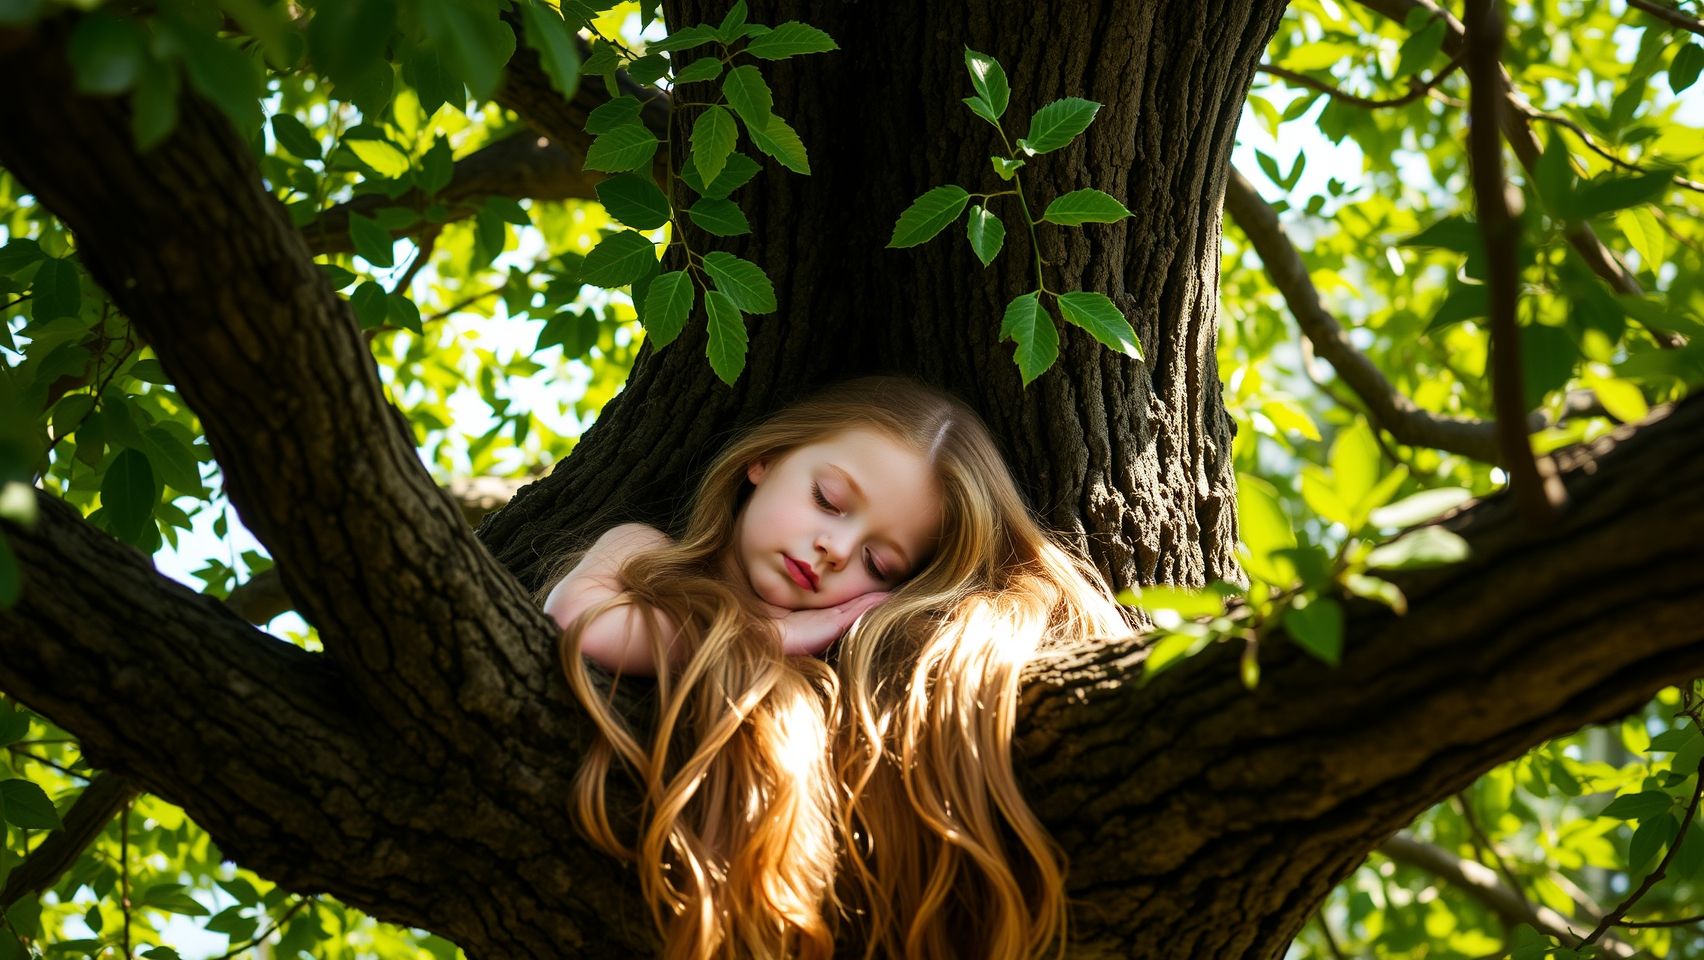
(788, 797)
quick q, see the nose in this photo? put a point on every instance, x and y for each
(832, 549)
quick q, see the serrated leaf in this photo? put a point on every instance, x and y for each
(780, 141)
(698, 71)
(1644, 805)
(1038, 339)
(624, 148)
(1317, 627)
(928, 215)
(981, 108)
(1085, 206)
(727, 346)
(1058, 123)
(619, 260)
(1005, 167)
(1096, 313)
(723, 218)
(648, 69)
(989, 80)
(986, 233)
(790, 39)
(667, 305)
(745, 284)
(733, 23)
(749, 95)
(686, 38)
(634, 200)
(614, 112)
(23, 804)
(739, 170)
(713, 139)
(558, 48)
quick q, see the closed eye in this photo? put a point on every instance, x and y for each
(870, 564)
(822, 501)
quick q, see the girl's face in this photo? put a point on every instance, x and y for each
(833, 520)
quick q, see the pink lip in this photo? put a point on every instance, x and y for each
(801, 574)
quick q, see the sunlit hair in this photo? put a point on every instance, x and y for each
(871, 796)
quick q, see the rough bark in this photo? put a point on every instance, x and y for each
(417, 769)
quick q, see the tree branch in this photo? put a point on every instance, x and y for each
(1535, 487)
(1416, 88)
(1273, 796)
(1519, 133)
(105, 795)
(271, 360)
(1668, 15)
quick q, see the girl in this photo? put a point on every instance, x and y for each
(784, 792)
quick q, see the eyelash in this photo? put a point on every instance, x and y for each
(822, 501)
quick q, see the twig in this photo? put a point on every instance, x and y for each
(1330, 941)
(269, 931)
(88, 816)
(1672, 16)
(12, 303)
(1491, 848)
(1613, 918)
(1594, 147)
(25, 754)
(464, 303)
(1416, 89)
(1538, 495)
(124, 872)
(1641, 924)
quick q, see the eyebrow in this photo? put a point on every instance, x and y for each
(858, 491)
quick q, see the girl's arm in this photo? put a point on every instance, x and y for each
(615, 639)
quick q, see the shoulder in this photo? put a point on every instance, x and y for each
(631, 537)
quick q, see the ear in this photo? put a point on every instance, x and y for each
(756, 471)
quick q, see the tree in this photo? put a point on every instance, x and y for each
(414, 767)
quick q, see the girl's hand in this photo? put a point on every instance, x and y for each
(806, 633)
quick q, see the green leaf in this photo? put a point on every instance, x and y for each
(433, 81)
(1645, 234)
(107, 53)
(1317, 627)
(624, 148)
(1613, 191)
(648, 69)
(373, 243)
(1645, 805)
(667, 305)
(21, 252)
(1097, 314)
(614, 112)
(727, 346)
(1265, 531)
(749, 95)
(739, 170)
(987, 234)
(1026, 322)
(1421, 507)
(437, 167)
(1005, 167)
(1649, 840)
(733, 23)
(57, 290)
(699, 71)
(172, 461)
(23, 804)
(1420, 49)
(1688, 860)
(634, 200)
(723, 218)
(1425, 547)
(1373, 588)
(1058, 123)
(1555, 179)
(348, 39)
(154, 103)
(1085, 206)
(473, 40)
(558, 48)
(744, 282)
(981, 108)
(928, 215)
(780, 141)
(619, 260)
(402, 312)
(381, 155)
(1684, 68)
(989, 80)
(220, 72)
(1355, 462)
(686, 38)
(790, 39)
(368, 302)
(713, 139)
(173, 898)
(292, 134)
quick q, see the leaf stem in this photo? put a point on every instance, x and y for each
(1023, 204)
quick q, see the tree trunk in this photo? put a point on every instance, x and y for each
(429, 751)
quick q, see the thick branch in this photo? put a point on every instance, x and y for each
(1668, 15)
(1267, 799)
(207, 266)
